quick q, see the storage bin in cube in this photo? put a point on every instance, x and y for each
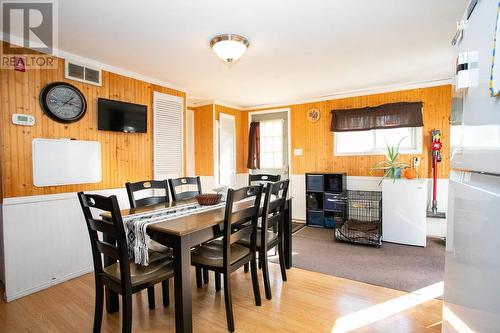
(315, 218)
(314, 183)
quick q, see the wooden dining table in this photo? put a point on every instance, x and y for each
(181, 234)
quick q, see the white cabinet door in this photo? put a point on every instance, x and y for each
(168, 135)
(404, 204)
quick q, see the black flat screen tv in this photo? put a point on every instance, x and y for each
(121, 117)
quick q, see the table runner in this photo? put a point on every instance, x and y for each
(136, 225)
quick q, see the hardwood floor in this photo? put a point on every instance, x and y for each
(308, 302)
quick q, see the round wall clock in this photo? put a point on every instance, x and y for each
(313, 115)
(62, 102)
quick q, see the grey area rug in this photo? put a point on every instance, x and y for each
(401, 267)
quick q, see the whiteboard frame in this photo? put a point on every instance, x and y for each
(38, 183)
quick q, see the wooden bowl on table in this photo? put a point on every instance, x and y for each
(208, 199)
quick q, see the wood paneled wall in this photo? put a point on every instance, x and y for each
(316, 140)
(125, 156)
(204, 140)
(241, 121)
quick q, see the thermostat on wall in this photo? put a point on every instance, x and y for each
(23, 119)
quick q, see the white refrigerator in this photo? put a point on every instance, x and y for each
(472, 269)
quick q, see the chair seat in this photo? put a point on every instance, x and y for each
(211, 254)
(154, 246)
(156, 256)
(272, 238)
(157, 270)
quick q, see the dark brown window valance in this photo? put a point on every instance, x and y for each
(394, 115)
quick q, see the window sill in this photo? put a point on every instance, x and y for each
(379, 153)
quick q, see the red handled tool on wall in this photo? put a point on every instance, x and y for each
(436, 146)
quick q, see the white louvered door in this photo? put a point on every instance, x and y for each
(167, 135)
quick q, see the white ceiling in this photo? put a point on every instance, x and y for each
(298, 49)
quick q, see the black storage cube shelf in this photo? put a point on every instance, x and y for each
(326, 199)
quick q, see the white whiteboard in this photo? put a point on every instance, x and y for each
(65, 162)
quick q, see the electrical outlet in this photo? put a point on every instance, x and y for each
(416, 161)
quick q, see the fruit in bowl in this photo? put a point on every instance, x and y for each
(208, 199)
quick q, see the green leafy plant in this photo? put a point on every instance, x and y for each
(391, 167)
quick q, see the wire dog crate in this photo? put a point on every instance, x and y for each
(364, 219)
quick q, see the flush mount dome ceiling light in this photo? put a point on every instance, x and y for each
(229, 47)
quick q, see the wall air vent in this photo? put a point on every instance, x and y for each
(82, 73)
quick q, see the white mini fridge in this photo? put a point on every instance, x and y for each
(404, 205)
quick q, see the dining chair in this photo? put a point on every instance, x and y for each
(156, 192)
(267, 237)
(123, 277)
(262, 178)
(184, 181)
(224, 256)
(189, 194)
(147, 186)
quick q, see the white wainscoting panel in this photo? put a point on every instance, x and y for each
(241, 180)
(45, 241)
(435, 227)
(297, 190)
(207, 183)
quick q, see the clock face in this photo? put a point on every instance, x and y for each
(63, 102)
(313, 115)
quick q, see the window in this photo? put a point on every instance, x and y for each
(374, 142)
(271, 144)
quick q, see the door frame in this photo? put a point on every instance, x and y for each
(289, 140)
(190, 150)
(233, 118)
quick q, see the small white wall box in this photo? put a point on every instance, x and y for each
(23, 119)
(297, 152)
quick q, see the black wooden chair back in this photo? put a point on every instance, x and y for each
(111, 230)
(240, 218)
(147, 185)
(274, 207)
(183, 181)
(263, 178)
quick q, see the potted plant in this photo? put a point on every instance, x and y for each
(391, 167)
